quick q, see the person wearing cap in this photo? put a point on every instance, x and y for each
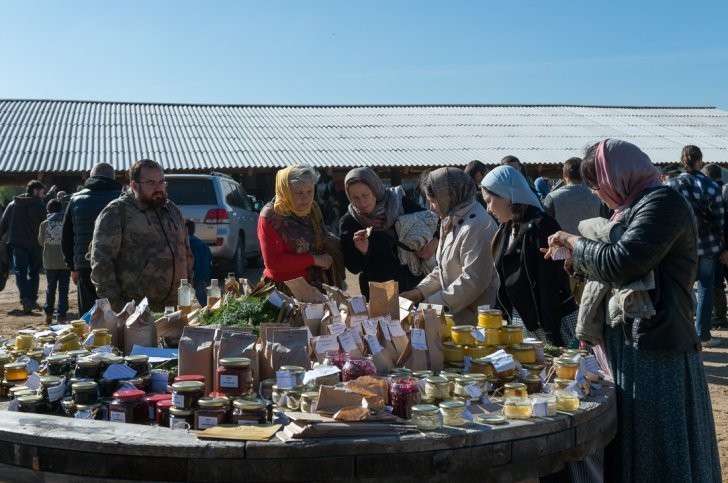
(78, 228)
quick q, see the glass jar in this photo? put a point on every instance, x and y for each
(514, 390)
(453, 354)
(101, 337)
(511, 335)
(266, 389)
(234, 377)
(482, 366)
(107, 387)
(213, 293)
(75, 355)
(140, 363)
(293, 398)
(533, 384)
(448, 322)
(562, 384)
(567, 401)
(85, 392)
(463, 335)
(68, 407)
(404, 394)
(68, 342)
(450, 375)
(128, 407)
(211, 412)
(33, 403)
(4, 359)
(489, 318)
(523, 353)
(87, 411)
(548, 403)
(452, 413)
(309, 401)
(151, 402)
(184, 296)
(297, 373)
(500, 382)
(52, 390)
(537, 347)
(517, 408)
(161, 415)
(335, 358)
(79, 328)
(181, 419)
(480, 381)
(16, 372)
(437, 389)
(186, 394)
(476, 351)
(59, 365)
(23, 342)
(460, 388)
(492, 337)
(37, 356)
(17, 391)
(534, 369)
(87, 368)
(232, 286)
(189, 378)
(426, 417)
(248, 412)
(566, 369)
(355, 367)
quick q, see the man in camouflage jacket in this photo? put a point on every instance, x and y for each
(140, 246)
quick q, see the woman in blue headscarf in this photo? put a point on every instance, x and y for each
(533, 291)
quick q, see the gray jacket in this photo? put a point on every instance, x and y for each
(571, 204)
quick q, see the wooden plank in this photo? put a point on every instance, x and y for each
(275, 470)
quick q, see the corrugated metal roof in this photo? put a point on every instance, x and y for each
(71, 136)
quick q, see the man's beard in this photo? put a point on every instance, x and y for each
(157, 200)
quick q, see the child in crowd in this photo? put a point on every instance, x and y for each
(57, 272)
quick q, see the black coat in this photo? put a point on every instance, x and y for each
(381, 263)
(21, 221)
(660, 236)
(537, 288)
(78, 224)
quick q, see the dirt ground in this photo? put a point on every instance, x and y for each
(715, 360)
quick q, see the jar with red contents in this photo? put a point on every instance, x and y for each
(234, 377)
(404, 394)
(162, 413)
(151, 402)
(187, 378)
(335, 358)
(356, 367)
(128, 407)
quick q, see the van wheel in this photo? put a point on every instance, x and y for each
(240, 263)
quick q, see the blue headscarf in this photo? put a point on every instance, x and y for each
(542, 186)
(508, 183)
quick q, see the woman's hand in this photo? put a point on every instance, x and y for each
(324, 261)
(560, 239)
(414, 295)
(361, 241)
(426, 252)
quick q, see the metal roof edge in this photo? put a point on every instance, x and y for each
(324, 106)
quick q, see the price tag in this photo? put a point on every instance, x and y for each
(119, 371)
(477, 334)
(347, 341)
(117, 416)
(204, 422)
(473, 391)
(369, 326)
(384, 325)
(33, 381)
(337, 328)
(419, 340)
(314, 311)
(358, 305)
(395, 329)
(326, 343)
(228, 381)
(56, 392)
(374, 344)
(540, 409)
(589, 365)
(285, 380)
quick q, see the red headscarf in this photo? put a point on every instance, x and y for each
(623, 173)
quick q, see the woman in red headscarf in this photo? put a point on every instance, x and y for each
(666, 430)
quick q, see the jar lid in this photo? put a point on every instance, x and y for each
(494, 420)
(517, 401)
(235, 362)
(190, 377)
(165, 404)
(78, 352)
(533, 378)
(512, 328)
(449, 374)
(24, 336)
(5, 357)
(475, 377)
(129, 394)
(87, 362)
(514, 385)
(84, 386)
(156, 398)
(180, 412)
(462, 380)
(189, 386)
(101, 331)
(436, 380)
(142, 358)
(25, 332)
(310, 395)
(112, 359)
(452, 404)
(462, 328)
(26, 392)
(543, 397)
(88, 407)
(211, 402)
(78, 323)
(533, 367)
(566, 362)
(422, 374)
(71, 336)
(245, 405)
(30, 399)
(16, 389)
(293, 369)
(424, 408)
(566, 395)
(522, 347)
(58, 358)
(15, 365)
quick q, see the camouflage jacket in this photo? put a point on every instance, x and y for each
(139, 252)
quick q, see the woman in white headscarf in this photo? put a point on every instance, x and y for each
(464, 277)
(533, 291)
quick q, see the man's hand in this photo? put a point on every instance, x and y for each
(74, 277)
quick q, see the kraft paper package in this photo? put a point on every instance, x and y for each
(169, 328)
(103, 317)
(384, 299)
(233, 343)
(196, 348)
(264, 364)
(432, 325)
(312, 316)
(304, 291)
(287, 347)
(139, 328)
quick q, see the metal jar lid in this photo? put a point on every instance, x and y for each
(235, 362)
(188, 386)
(211, 402)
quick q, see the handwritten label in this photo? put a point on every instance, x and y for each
(347, 341)
(178, 400)
(204, 422)
(473, 391)
(229, 381)
(56, 392)
(85, 414)
(384, 325)
(33, 381)
(314, 311)
(326, 343)
(285, 380)
(117, 416)
(369, 326)
(337, 328)
(419, 339)
(395, 328)
(589, 365)
(374, 344)
(539, 408)
(358, 305)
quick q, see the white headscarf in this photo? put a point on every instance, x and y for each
(508, 183)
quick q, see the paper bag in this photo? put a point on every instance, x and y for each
(196, 352)
(322, 344)
(335, 294)
(266, 332)
(103, 317)
(312, 316)
(288, 347)
(169, 328)
(432, 325)
(332, 399)
(304, 292)
(139, 328)
(384, 299)
(232, 343)
(371, 388)
(382, 361)
(399, 336)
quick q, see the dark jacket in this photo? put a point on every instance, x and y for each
(660, 236)
(202, 266)
(78, 224)
(381, 263)
(537, 288)
(21, 221)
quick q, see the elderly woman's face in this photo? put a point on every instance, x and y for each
(362, 197)
(302, 196)
(435, 206)
(500, 207)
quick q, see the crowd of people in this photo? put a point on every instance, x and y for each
(606, 258)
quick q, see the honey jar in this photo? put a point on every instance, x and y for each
(567, 401)
(517, 408)
(492, 337)
(452, 413)
(23, 342)
(453, 354)
(447, 324)
(477, 351)
(463, 335)
(101, 337)
(566, 368)
(482, 366)
(511, 335)
(79, 327)
(16, 372)
(515, 390)
(525, 354)
(489, 318)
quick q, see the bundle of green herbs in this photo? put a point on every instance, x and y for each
(243, 312)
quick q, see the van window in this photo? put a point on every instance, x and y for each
(191, 191)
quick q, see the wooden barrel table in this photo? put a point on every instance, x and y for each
(43, 448)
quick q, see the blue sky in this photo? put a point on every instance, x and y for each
(320, 52)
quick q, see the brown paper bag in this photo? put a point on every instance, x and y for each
(399, 336)
(103, 317)
(288, 347)
(232, 343)
(384, 299)
(432, 324)
(335, 294)
(196, 353)
(139, 328)
(332, 399)
(266, 332)
(382, 361)
(312, 316)
(370, 387)
(304, 292)
(169, 328)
